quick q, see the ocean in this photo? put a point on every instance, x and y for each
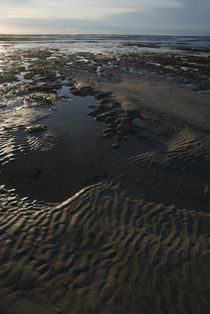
(109, 43)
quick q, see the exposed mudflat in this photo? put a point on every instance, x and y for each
(104, 185)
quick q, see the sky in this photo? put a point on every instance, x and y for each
(155, 17)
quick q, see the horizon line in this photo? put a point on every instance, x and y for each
(97, 34)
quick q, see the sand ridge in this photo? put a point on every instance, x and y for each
(102, 252)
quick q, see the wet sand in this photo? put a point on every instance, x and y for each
(102, 252)
(105, 209)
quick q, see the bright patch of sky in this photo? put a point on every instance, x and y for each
(106, 16)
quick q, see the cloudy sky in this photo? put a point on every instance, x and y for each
(165, 17)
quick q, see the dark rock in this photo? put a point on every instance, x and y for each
(36, 128)
(107, 135)
(105, 101)
(124, 125)
(102, 95)
(102, 116)
(108, 130)
(46, 88)
(82, 90)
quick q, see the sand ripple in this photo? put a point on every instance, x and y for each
(185, 152)
(15, 139)
(102, 252)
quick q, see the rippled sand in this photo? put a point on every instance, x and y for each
(102, 252)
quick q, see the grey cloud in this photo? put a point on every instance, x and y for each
(192, 19)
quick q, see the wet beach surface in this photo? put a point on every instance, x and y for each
(104, 194)
(59, 134)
